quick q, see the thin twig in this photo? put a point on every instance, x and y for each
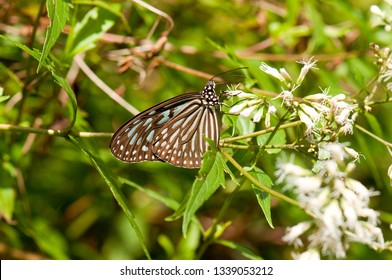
(96, 80)
(158, 12)
(54, 132)
(257, 133)
(379, 139)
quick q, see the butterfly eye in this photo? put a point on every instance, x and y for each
(172, 131)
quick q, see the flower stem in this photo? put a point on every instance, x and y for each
(257, 133)
(257, 183)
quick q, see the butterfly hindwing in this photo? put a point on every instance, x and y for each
(180, 141)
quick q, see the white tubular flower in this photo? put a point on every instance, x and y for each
(258, 115)
(311, 112)
(343, 116)
(247, 111)
(305, 69)
(293, 234)
(271, 110)
(236, 109)
(285, 75)
(317, 97)
(390, 174)
(305, 119)
(272, 72)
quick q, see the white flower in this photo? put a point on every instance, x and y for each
(293, 234)
(247, 111)
(271, 110)
(390, 174)
(347, 128)
(338, 204)
(285, 75)
(305, 69)
(311, 112)
(272, 72)
(311, 254)
(343, 116)
(307, 121)
(257, 116)
(374, 9)
(236, 109)
(287, 97)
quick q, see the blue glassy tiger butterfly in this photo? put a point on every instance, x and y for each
(172, 131)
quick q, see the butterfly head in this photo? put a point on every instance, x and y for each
(210, 98)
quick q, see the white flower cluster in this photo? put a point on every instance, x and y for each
(339, 205)
(251, 105)
(326, 116)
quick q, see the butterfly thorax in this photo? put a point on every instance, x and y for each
(209, 97)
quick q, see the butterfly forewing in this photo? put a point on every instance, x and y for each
(133, 141)
(171, 131)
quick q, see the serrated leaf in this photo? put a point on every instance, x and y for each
(279, 138)
(211, 176)
(112, 182)
(58, 11)
(86, 33)
(263, 198)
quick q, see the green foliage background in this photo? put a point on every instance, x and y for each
(60, 194)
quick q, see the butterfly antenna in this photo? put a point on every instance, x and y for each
(221, 77)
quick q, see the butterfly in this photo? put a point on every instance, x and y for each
(172, 131)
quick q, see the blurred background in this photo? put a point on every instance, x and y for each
(56, 205)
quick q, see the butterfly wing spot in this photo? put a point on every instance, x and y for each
(150, 136)
(145, 148)
(133, 139)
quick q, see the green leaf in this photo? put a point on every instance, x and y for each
(49, 240)
(58, 11)
(319, 38)
(246, 252)
(263, 198)
(279, 138)
(3, 98)
(167, 201)
(112, 181)
(58, 78)
(7, 203)
(210, 177)
(188, 245)
(87, 32)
